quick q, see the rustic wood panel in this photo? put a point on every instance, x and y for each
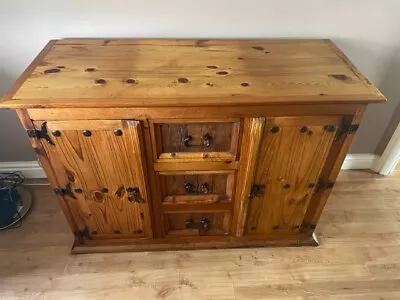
(220, 111)
(152, 183)
(120, 73)
(291, 159)
(169, 139)
(173, 135)
(196, 166)
(70, 209)
(100, 168)
(331, 170)
(176, 184)
(177, 224)
(196, 207)
(251, 142)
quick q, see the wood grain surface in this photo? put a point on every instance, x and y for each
(99, 170)
(331, 170)
(291, 158)
(124, 73)
(218, 223)
(161, 144)
(251, 142)
(193, 188)
(208, 140)
(359, 233)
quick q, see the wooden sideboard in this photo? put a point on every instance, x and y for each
(188, 144)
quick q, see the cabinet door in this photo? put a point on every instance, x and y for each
(99, 171)
(292, 153)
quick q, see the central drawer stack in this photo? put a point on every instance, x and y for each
(196, 167)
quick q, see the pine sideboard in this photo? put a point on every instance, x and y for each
(190, 144)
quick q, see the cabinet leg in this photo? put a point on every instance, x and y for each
(310, 241)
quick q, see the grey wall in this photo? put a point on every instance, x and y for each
(368, 31)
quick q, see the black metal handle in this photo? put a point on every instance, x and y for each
(134, 195)
(189, 188)
(201, 189)
(202, 226)
(189, 223)
(204, 188)
(204, 223)
(206, 141)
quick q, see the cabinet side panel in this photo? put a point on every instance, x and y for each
(330, 171)
(75, 223)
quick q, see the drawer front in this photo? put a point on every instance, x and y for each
(197, 224)
(192, 139)
(188, 187)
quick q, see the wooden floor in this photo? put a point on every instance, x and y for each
(359, 257)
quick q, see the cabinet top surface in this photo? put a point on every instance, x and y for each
(131, 72)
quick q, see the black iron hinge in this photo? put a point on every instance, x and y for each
(346, 128)
(257, 190)
(306, 225)
(65, 191)
(40, 134)
(83, 233)
(323, 185)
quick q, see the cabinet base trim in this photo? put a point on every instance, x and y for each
(163, 245)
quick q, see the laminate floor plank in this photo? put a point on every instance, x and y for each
(358, 259)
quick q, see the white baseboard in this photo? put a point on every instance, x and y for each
(359, 161)
(391, 156)
(32, 169)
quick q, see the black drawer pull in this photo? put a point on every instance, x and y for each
(202, 226)
(206, 141)
(201, 189)
(204, 188)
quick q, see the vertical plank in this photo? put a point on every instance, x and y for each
(135, 138)
(154, 184)
(291, 158)
(100, 167)
(251, 141)
(74, 222)
(331, 170)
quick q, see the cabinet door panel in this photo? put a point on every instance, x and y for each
(101, 163)
(291, 156)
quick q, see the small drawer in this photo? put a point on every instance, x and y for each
(194, 139)
(197, 224)
(197, 187)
